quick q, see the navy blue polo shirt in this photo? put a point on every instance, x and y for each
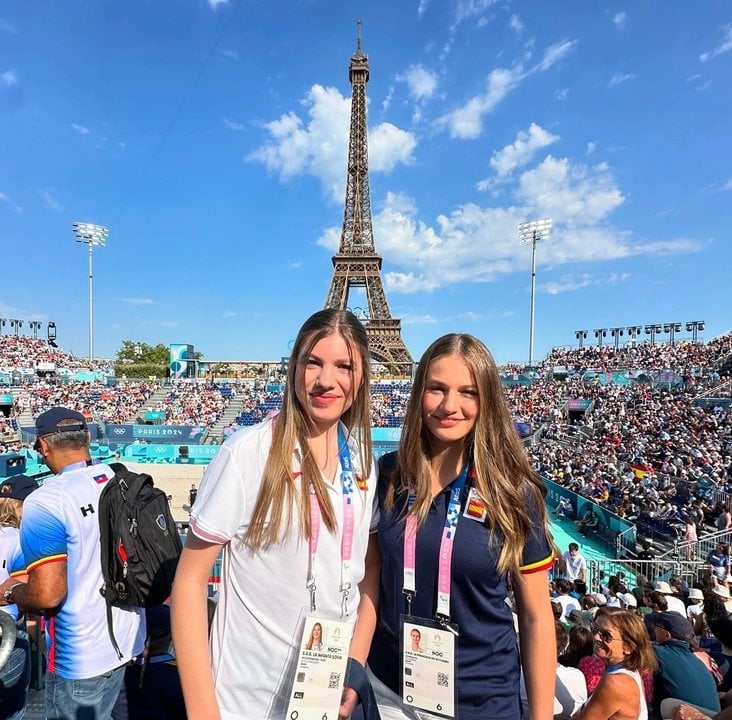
(488, 665)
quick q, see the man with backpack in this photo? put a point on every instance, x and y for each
(60, 538)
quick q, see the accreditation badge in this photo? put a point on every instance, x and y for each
(428, 651)
(317, 688)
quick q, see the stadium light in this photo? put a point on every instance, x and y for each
(35, 326)
(51, 334)
(533, 232)
(580, 335)
(652, 330)
(600, 333)
(3, 323)
(16, 324)
(91, 235)
(671, 329)
(617, 333)
(695, 327)
(633, 332)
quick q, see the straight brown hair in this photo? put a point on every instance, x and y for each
(281, 496)
(504, 477)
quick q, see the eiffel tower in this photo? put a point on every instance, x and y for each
(357, 263)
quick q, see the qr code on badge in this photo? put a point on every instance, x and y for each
(335, 681)
(442, 680)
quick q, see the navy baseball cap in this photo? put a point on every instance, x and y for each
(48, 422)
(674, 623)
(18, 487)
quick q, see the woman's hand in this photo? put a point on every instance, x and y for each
(349, 701)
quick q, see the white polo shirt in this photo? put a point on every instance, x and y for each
(263, 595)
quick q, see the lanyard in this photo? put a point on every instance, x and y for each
(409, 587)
(347, 484)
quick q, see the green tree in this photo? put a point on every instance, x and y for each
(140, 359)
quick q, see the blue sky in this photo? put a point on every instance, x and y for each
(210, 137)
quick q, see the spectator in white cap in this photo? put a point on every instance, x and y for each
(673, 602)
(696, 603)
(627, 600)
(723, 592)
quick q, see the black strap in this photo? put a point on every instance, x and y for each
(358, 680)
(111, 631)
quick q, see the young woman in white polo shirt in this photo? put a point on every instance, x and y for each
(290, 502)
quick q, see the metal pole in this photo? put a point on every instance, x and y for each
(533, 291)
(91, 306)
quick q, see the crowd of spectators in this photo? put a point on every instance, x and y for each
(23, 353)
(192, 403)
(643, 450)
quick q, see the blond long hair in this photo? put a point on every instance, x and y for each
(504, 477)
(280, 493)
(11, 511)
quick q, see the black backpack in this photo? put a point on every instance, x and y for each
(140, 546)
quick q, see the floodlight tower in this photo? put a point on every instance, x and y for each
(91, 235)
(533, 232)
(671, 329)
(16, 325)
(695, 327)
(600, 333)
(617, 333)
(35, 326)
(580, 335)
(633, 332)
(653, 330)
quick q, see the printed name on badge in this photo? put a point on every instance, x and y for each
(428, 668)
(321, 668)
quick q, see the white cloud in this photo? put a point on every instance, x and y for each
(319, 148)
(468, 9)
(231, 125)
(230, 54)
(723, 47)
(466, 122)
(571, 283)
(230, 314)
(520, 152)
(620, 78)
(567, 192)
(422, 7)
(80, 129)
(561, 93)
(591, 147)
(516, 25)
(619, 20)
(473, 244)
(408, 319)
(215, 3)
(421, 82)
(50, 202)
(9, 78)
(727, 185)
(138, 301)
(11, 204)
(553, 54)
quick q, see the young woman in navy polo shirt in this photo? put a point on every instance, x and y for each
(462, 518)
